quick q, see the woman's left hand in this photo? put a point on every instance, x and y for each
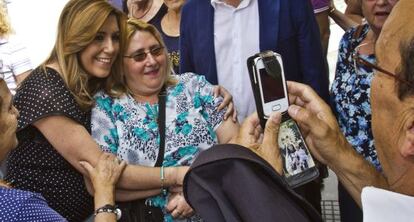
(106, 173)
(178, 207)
(227, 102)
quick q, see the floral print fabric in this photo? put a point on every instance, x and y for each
(350, 97)
(129, 128)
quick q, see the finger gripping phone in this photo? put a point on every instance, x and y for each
(270, 91)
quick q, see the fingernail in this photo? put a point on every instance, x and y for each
(276, 116)
(293, 110)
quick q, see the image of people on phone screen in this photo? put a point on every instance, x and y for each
(296, 157)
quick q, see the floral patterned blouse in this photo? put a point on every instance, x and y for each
(129, 128)
(350, 97)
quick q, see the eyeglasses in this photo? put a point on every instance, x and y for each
(141, 56)
(359, 68)
(361, 61)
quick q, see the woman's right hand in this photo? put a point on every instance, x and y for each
(227, 102)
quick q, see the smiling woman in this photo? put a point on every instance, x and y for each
(20, 205)
(54, 102)
(97, 58)
(131, 126)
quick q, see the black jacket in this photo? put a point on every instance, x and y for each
(230, 183)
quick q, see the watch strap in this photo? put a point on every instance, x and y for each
(108, 208)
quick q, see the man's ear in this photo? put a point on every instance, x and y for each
(407, 149)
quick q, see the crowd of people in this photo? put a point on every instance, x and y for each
(134, 91)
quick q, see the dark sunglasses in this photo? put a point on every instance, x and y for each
(141, 56)
(361, 61)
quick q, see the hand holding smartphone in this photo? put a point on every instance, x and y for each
(270, 91)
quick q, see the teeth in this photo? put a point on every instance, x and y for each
(104, 60)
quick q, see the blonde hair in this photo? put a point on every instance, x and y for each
(5, 27)
(78, 25)
(133, 26)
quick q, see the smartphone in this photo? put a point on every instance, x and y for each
(272, 83)
(269, 89)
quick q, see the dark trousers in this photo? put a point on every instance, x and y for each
(350, 211)
(312, 193)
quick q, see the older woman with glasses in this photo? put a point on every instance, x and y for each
(350, 92)
(132, 126)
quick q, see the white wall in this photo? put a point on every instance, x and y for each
(35, 22)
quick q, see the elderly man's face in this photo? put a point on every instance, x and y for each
(392, 118)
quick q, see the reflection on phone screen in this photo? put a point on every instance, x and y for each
(296, 156)
(272, 88)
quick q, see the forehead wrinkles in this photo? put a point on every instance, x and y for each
(397, 29)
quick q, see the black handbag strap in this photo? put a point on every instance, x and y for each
(161, 125)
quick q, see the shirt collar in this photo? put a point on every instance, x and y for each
(243, 3)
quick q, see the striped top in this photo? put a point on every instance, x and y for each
(14, 60)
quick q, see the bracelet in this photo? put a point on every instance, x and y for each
(162, 177)
(109, 209)
(332, 10)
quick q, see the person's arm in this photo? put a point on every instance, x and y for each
(344, 21)
(328, 144)
(124, 195)
(311, 60)
(205, 96)
(354, 11)
(75, 144)
(226, 131)
(104, 177)
(21, 77)
(229, 127)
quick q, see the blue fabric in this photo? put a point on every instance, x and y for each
(172, 44)
(17, 205)
(350, 97)
(286, 27)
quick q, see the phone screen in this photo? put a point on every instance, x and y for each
(294, 151)
(272, 87)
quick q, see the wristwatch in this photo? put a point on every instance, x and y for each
(109, 209)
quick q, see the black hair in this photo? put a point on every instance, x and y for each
(406, 70)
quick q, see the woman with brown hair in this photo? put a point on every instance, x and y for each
(131, 125)
(19, 205)
(55, 103)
